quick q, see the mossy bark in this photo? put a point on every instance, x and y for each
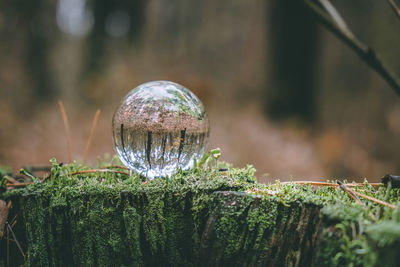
(4, 209)
(154, 228)
(194, 224)
(245, 230)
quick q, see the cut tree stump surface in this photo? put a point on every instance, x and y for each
(197, 218)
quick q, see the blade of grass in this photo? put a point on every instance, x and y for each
(66, 127)
(89, 142)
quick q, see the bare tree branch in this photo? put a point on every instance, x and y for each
(395, 8)
(332, 20)
(336, 17)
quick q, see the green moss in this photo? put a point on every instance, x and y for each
(197, 217)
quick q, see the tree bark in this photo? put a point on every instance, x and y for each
(202, 223)
(4, 208)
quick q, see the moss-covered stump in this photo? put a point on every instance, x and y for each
(202, 217)
(248, 230)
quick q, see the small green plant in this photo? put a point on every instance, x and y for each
(210, 157)
(4, 172)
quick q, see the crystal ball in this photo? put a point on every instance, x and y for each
(159, 127)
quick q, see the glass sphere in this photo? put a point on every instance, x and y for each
(160, 126)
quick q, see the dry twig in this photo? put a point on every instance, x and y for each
(376, 200)
(13, 223)
(14, 219)
(66, 126)
(8, 247)
(329, 184)
(98, 171)
(15, 239)
(352, 194)
(89, 142)
(331, 10)
(331, 19)
(18, 185)
(395, 8)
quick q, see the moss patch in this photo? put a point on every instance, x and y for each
(198, 217)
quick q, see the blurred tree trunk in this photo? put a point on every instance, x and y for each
(98, 38)
(37, 17)
(28, 29)
(293, 41)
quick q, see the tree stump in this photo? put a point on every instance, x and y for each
(198, 219)
(4, 208)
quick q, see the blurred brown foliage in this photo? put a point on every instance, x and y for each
(274, 102)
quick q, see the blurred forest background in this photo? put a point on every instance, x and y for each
(282, 92)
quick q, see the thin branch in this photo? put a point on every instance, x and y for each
(98, 171)
(395, 8)
(13, 223)
(336, 17)
(8, 247)
(18, 185)
(15, 239)
(366, 53)
(66, 127)
(330, 184)
(376, 200)
(89, 142)
(14, 219)
(352, 194)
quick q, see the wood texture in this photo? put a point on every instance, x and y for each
(4, 208)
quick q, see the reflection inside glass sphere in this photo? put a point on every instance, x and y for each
(160, 126)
